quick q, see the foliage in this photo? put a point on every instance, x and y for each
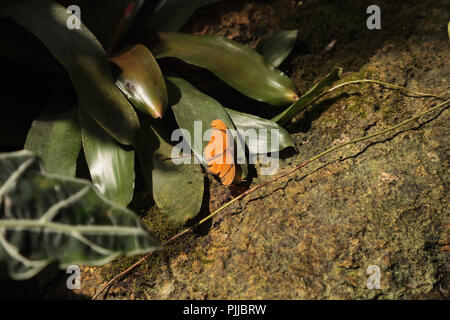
(121, 102)
(49, 218)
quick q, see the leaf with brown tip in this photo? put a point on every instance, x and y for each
(141, 80)
(238, 65)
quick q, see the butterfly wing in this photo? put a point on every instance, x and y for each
(219, 153)
(227, 172)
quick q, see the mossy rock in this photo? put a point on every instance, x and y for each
(383, 202)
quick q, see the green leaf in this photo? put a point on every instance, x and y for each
(236, 64)
(47, 218)
(177, 188)
(287, 115)
(56, 137)
(263, 144)
(84, 59)
(276, 46)
(171, 15)
(111, 167)
(141, 80)
(192, 106)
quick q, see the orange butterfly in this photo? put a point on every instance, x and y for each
(219, 153)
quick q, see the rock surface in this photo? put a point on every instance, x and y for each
(383, 202)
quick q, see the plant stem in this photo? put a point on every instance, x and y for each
(381, 83)
(385, 84)
(287, 173)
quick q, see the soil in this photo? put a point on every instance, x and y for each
(313, 235)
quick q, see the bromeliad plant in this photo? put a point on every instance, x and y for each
(122, 98)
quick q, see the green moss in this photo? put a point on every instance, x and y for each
(357, 108)
(161, 226)
(110, 270)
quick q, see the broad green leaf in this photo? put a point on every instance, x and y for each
(141, 80)
(276, 46)
(84, 59)
(56, 137)
(47, 218)
(110, 165)
(238, 65)
(266, 131)
(171, 15)
(287, 115)
(177, 188)
(194, 112)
